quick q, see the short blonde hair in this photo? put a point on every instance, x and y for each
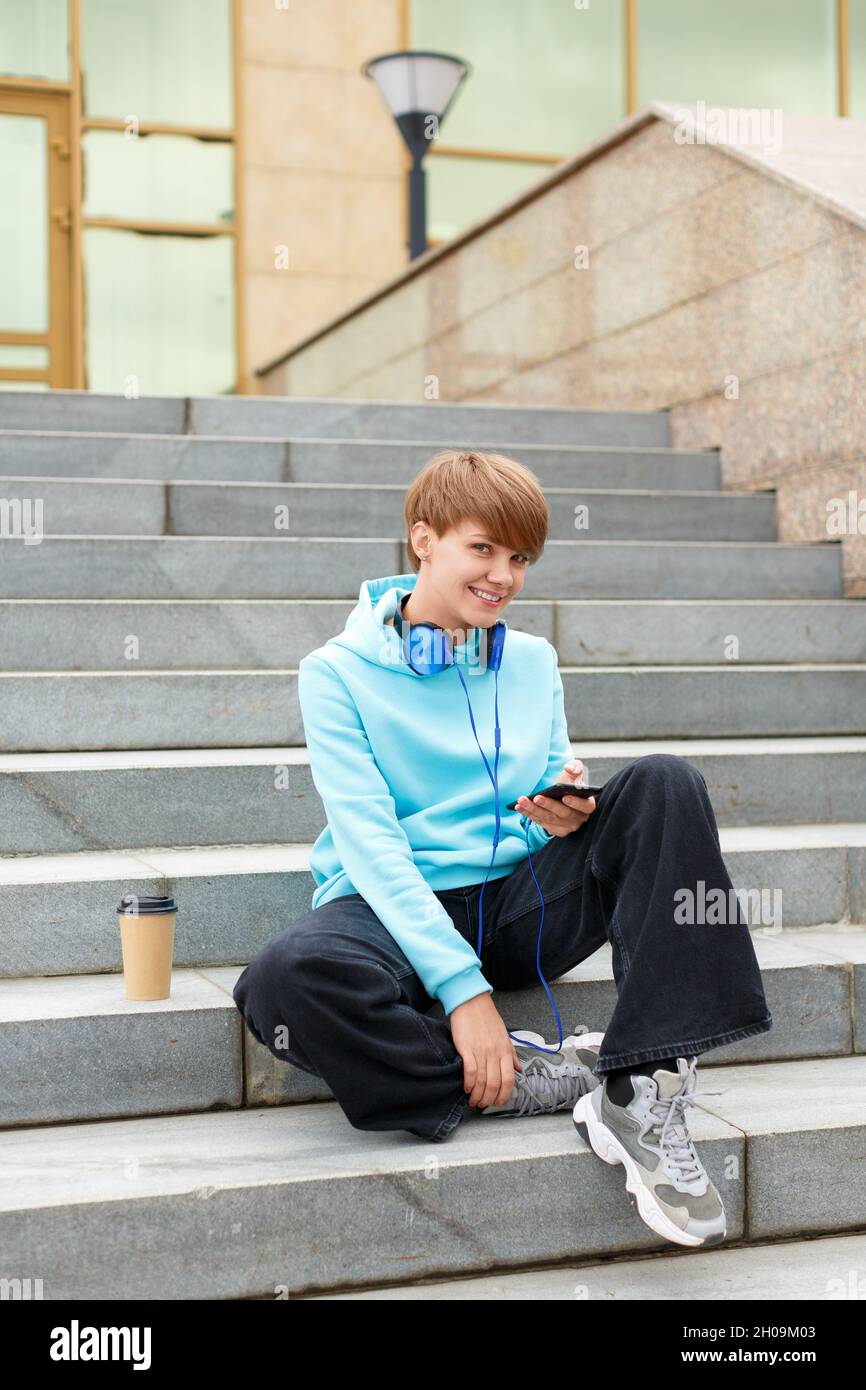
(501, 493)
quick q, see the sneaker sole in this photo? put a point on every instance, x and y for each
(606, 1145)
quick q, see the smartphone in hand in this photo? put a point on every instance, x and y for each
(558, 790)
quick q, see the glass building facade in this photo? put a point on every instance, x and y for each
(117, 225)
(549, 78)
(121, 216)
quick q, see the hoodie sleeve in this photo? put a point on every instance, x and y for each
(372, 847)
(560, 752)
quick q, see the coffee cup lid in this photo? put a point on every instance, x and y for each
(131, 905)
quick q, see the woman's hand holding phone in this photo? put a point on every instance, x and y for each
(560, 817)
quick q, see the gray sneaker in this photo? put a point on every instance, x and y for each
(650, 1137)
(586, 1047)
(551, 1080)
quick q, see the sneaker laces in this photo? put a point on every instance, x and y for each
(672, 1133)
(547, 1089)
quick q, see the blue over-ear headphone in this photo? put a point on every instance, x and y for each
(428, 651)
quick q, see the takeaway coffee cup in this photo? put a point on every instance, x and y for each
(147, 942)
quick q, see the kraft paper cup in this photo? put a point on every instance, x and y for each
(147, 943)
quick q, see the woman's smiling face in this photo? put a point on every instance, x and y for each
(460, 568)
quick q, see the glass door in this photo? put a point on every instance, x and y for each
(35, 223)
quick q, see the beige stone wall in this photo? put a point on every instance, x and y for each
(713, 290)
(322, 166)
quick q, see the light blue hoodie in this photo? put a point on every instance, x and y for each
(408, 800)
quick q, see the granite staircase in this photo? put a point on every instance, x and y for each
(191, 552)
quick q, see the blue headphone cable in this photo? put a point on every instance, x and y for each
(494, 777)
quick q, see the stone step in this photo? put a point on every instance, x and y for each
(281, 417)
(329, 568)
(124, 1209)
(826, 1268)
(187, 1052)
(62, 803)
(100, 507)
(54, 711)
(61, 910)
(214, 458)
(244, 634)
(456, 425)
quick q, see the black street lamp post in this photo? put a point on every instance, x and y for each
(418, 88)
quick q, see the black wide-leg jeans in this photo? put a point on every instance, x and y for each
(335, 995)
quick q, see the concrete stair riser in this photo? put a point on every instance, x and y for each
(61, 912)
(328, 568)
(226, 634)
(77, 454)
(87, 801)
(56, 711)
(282, 418)
(88, 506)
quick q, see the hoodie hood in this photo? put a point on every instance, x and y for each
(370, 629)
